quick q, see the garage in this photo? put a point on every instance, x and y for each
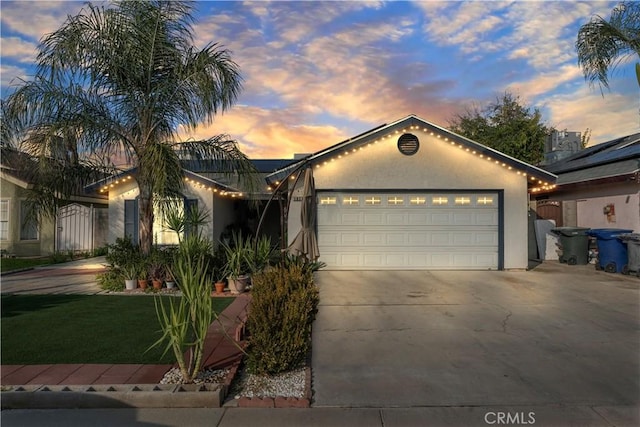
(412, 195)
(402, 230)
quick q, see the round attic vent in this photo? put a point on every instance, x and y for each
(408, 144)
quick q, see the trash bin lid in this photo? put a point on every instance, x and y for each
(607, 233)
(629, 237)
(570, 231)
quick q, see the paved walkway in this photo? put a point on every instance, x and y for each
(78, 277)
(75, 277)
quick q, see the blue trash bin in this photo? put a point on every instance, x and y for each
(612, 253)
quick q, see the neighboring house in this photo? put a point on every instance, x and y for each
(229, 208)
(80, 225)
(597, 187)
(413, 195)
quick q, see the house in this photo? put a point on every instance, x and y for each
(80, 224)
(413, 195)
(229, 207)
(598, 187)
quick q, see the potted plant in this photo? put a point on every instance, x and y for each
(235, 266)
(142, 274)
(130, 273)
(156, 272)
(219, 285)
(168, 279)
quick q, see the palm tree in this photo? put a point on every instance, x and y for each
(119, 82)
(601, 45)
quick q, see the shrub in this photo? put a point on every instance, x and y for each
(122, 252)
(59, 257)
(283, 306)
(303, 263)
(111, 280)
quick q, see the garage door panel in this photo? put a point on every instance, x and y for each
(441, 218)
(409, 235)
(418, 219)
(373, 218)
(374, 239)
(350, 239)
(487, 218)
(396, 219)
(349, 218)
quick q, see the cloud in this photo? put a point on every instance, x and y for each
(608, 117)
(270, 133)
(36, 19)
(545, 82)
(18, 49)
(11, 75)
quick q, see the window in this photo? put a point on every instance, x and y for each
(131, 221)
(372, 200)
(463, 200)
(418, 200)
(28, 222)
(350, 200)
(439, 200)
(327, 200)
(395, 200)
(4, 220)
(484, 200)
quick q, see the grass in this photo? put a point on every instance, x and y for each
(10, 264)
(44, 329)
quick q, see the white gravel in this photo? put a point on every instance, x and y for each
(288, 384)
(208, 376)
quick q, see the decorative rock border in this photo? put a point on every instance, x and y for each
(114, 396)
(281, 401)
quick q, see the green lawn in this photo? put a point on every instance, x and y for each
(10, 264)
(43, 329)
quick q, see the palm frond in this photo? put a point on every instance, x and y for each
(601, 45)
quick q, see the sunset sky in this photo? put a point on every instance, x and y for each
(316, 73)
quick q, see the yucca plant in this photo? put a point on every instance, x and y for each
(184, 321)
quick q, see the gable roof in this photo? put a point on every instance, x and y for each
(104, 185)
(407, 124)
(618, 157)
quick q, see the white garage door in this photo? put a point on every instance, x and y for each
(384, 230)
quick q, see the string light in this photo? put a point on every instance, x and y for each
(545, 186)
(190, 181)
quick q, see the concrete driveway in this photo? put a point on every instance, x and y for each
(555, 335)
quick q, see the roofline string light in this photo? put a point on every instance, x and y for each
(112, 184)
(216, 189)
(346, 152)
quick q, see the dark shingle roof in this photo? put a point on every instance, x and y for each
(614, 151)
(212, 166)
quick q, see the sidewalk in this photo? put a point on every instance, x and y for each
(540, 416)
(74, 277)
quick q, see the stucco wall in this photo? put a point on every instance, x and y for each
(626, 207)
(583, 206)
(220, 212)
(437, 166)
(43, 246)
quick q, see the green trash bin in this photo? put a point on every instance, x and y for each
(574, 243)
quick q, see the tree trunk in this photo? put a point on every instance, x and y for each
(145, 207)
